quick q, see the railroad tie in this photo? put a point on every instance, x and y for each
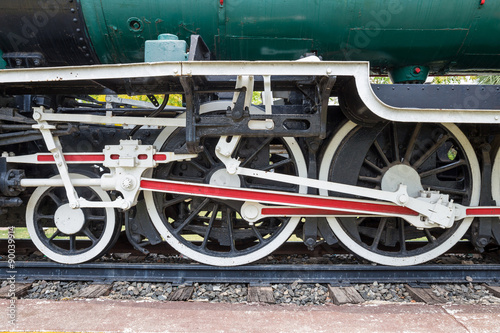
(344, 295)
(95, 291)
(423, 294)
(260, 294)
(181, 294)
(20, 290)
(494, 290)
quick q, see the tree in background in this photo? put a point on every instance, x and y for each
(489, 79)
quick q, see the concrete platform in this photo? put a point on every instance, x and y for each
(130, 316)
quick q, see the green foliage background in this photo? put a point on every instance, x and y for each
(176, 100)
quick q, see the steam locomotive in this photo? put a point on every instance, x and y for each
(396, 173)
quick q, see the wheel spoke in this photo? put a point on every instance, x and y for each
(259, 148)
(430, 151)
(210, 226)
(277, 164)
(90, 235)
(380, 229)
(257, 233)
(174, 201)
(381, 153)
(442, 169)
(373, 166)
(402, 236)
(373, 180)
(72, 243)
(39, 217)
(192, 215)
(230, 229)
(429, 237)
(95, 218)
(93, 197)
(54, 235)
(411, 143)
(55, 198)
(395, 142)
(198, 166)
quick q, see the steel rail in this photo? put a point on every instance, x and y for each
(253, 274)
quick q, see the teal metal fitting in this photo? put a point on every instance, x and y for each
(3, 64)
(168, 47)
(409, 74)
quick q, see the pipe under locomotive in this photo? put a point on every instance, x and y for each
(397, 174)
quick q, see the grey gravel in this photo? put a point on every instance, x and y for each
(56, 290)
(138, 290)
(300, 294)
(464, 294)
(220, 293)
(392, 292)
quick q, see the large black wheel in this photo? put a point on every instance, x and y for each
(212, 231)
(423, 156)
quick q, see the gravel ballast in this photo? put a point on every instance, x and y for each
(296, 293)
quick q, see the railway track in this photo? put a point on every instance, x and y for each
(251, 274)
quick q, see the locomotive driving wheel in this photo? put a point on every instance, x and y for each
(211, 230)
(66, 235)
(422, 156)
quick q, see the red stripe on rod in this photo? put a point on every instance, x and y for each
(281, 198)
(486, 211)
(287, 211)
(73, 158)
(159, 157)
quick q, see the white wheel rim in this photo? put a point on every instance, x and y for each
(352, 245)
(89, 255)
(278, 240)
(495, 179)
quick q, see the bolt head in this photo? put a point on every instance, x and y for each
(128, 184)
(231, 169)
(403, 198)
(251, 212)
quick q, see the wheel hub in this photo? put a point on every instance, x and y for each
(69, 221)
(402, 174)
(222, 178)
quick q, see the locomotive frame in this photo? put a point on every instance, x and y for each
(129, 168)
